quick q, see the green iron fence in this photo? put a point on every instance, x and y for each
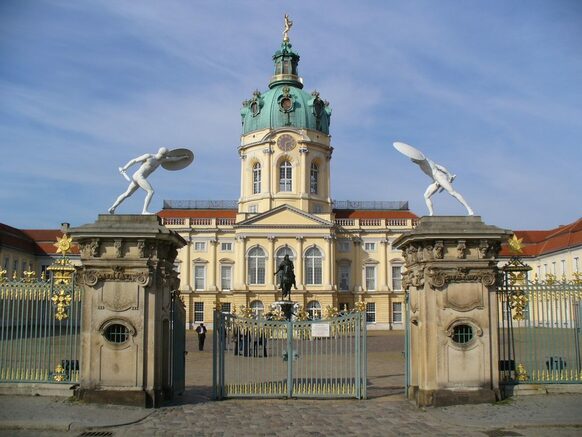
(40, 323)
(273, 358)
(540, 328)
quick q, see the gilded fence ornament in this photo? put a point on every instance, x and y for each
(518, 302)
(62, 300)
(301, 314)
(521, 373)
(59, 374)
(2, 276)
(515, 245)
(330, 312)
(29, 275)
(360, 306)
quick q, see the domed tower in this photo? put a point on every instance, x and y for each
(285, 144)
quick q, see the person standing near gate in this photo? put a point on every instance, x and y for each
(201, 330)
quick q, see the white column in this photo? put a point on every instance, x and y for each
(299, 264)
(271, 262)
(212, 269)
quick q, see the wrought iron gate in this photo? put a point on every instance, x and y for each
(270, 358)
(40, 322)
(540, 328)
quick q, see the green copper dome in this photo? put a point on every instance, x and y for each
(285, 103)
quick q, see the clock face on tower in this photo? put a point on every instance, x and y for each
(286, 142)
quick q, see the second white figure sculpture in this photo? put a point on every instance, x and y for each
(442, 178)
(176, 159)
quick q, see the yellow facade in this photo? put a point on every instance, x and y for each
(342, 253)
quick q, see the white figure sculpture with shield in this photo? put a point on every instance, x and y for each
(176, 159)
(442, 178)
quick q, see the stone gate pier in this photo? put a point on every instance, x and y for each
(127, 337)
(451, 283)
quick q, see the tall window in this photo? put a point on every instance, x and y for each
(200, 246)
(370, 278)
(313, 178)
(226, 277)
(371, 312)
(199, 276)
(225, 308)
(314, 310)
(563, 264)
(576, 264)
(198, 311)
(396, 312)
(257, 308)
(344, 277)
(285, 176)
(313, 266)
(256, 178)
(256, 264)
(396, 277)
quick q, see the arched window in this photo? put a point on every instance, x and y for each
(257, 308)
(313, 178)
(256, 266)
(314, 310)
(285, 176)
(313, 266)
(256, 178)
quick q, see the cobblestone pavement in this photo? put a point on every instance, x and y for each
(386, 413)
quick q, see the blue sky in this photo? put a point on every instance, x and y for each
(490, 89)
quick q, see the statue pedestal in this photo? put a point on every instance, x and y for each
(286, 306)
(450, 278)
(127, 334)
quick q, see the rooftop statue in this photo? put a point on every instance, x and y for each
(442, 178)
(288, 25)
(176, 159)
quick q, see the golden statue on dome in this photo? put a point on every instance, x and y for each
(288, 25)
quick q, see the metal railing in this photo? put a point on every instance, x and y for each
(371, 204)
(200, 204)
(271, 358)
(40, 322)
(540, 329)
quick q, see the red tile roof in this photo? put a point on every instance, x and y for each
(537, 243)
(34, 241)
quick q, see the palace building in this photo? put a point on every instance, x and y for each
(342, 250)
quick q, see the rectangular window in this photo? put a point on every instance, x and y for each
(344, 277)
(370, 247)
(226, 246)
(397, 312)
(200, 246)
(371, 312)
(6, 263)
(199, 277)
(576, 264)
(545, 269)
(225, 308)
(343, 245)
(198, 312)
(23, 265)
(370, 278)
(563, 263)
(225, 278)
(15, 267)
(396, 277)
(252, 208)
(539, 272)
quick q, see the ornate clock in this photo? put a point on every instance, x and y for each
(286, 143)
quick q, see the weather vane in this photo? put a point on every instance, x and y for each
(288, 25)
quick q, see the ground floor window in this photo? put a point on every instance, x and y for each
(198, 311)
(397, 312)
(371, 312)
(257, 308)
(314, 310)
(225, 308)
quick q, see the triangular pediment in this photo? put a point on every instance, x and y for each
(285, 216)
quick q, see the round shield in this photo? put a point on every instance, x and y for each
(178, 159)
(409, 151)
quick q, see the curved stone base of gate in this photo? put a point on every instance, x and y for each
(135, 398)
(444, 397)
